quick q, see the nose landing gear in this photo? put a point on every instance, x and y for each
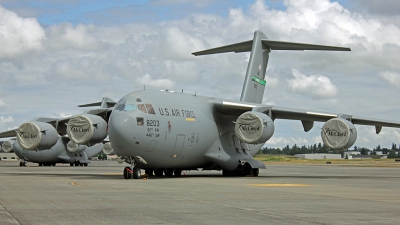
(129, 173)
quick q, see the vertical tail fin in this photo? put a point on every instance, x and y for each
(254, 83)
(260, 46)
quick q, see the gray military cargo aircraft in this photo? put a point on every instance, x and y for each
(165, 132)
(45, 140)
(59, 153)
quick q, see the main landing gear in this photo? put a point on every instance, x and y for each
(136, 174)
(246, 170)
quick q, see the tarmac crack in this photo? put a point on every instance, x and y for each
(9, 213)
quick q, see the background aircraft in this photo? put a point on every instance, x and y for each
(167, 131)
(45, 140)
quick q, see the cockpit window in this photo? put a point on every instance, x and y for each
(139, 100)
(120, 107)
(130, 107)
(142, 108)
(150, 109)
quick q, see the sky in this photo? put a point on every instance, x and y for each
(57, 54)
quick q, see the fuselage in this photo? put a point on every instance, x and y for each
(173, 130)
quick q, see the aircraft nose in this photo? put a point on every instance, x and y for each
(119, 129)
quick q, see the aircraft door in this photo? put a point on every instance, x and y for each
(180, 140)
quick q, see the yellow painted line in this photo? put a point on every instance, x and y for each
(190, 119)
(281, 185)
(76, 184)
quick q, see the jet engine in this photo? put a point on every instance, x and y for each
(74, 147)
(254, 127)
(107, 149)
(86, 128)
(8, 146)
(36, 135)
(338, 133)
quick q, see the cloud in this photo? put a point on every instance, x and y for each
(66, 36)
(391, 77)
(6, 119)
(282, 141)
(317, 86)
(18, 36)
(83, 69)
(155, 83)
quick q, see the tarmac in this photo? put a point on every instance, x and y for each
(282, 194)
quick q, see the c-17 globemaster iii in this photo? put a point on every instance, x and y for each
(44, 140)
(165, 132)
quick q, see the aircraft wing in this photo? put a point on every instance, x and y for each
(9, 133)
(61, 123)
(307, 117)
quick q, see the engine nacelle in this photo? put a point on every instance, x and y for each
(74, 147)
(338, 133)
(36, 135)
(254, 127)
(107, 149)
(8, 146)
(85, 128)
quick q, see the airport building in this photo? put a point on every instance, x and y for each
(8, 156)
(318, 156)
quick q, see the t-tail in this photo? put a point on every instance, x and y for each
(260, 47)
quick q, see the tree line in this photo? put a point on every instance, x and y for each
(322, 148)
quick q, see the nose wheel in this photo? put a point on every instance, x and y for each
(129, 173)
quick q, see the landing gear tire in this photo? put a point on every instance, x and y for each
(149, 172)
(159, 172)
(71, 164)
(127, 173)
(247, 170)
(77, 163)
(40, 164)
(169, 172)
(136, 173)
(177, 172)
(256, 171)
(227, 173)
(85, 164)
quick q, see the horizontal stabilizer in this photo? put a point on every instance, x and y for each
(281, 45)
(268, 44)
(238, 47)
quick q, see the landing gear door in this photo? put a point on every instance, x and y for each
(238, 145)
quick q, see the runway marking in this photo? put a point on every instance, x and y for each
(281, 185)
(76, 184)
